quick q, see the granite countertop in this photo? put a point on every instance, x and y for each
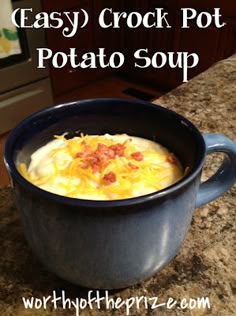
(205, 265)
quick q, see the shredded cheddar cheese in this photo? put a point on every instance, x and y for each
(106, 167)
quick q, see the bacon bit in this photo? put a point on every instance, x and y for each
(118, 149)
(84, 165)
(79, 155)
(171, 159)
(132, 166)
(86, 152)
(104, 152)
(137, 156)
(109, 178)
(100, 158)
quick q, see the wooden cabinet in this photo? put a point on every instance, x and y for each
(86, 40)
(68, 78)
(211, 43)
(111, 39)
(59, 5)
(227, 8)
(152, 39)
(161, 40)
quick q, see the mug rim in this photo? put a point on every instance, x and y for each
(96, 204)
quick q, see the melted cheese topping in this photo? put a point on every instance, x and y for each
(106, 167)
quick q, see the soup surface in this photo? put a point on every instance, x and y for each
(106, 167)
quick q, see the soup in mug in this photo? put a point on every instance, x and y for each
(102, 167)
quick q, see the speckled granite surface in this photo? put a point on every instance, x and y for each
(204, 267)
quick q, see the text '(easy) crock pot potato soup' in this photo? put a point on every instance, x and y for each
(106, 167)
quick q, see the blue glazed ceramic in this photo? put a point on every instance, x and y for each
(114, 244)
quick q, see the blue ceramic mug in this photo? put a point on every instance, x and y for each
(114, 244)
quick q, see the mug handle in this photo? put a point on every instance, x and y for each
(225, 177)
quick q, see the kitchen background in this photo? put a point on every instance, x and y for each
(25, 89)
(205, 265)
(211, 44)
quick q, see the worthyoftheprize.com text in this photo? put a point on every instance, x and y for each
(95, 300)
